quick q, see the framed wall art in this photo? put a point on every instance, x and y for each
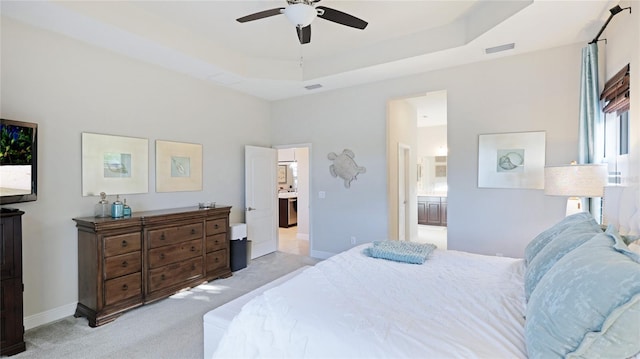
(282, 174)
(114, 164)
(511, 160)
(178, 166)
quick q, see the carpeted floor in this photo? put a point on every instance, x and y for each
(170, 328)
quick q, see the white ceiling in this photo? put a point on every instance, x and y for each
(264, 58)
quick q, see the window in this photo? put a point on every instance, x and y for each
(615, 97)
(624, 133)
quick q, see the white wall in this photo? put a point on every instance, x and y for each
(401, 129)
(68, 88)
(530, 92)
(332, 121)
(431, 139)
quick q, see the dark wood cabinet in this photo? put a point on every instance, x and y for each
(11, 305)
(126, 262)
(287, 212)
(432, 210)
(422, 211)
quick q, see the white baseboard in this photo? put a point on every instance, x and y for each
(49, 316)
(321, 254)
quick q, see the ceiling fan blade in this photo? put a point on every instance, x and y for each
(304, 34)
(261, 15)
(341, 17)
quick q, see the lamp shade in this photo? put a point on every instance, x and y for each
(586, 180)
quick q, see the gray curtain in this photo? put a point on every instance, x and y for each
(590, 137)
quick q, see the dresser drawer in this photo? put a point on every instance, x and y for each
(215, 226)
(216, 260)
(175, 273)
(170, 235)
(117, 266)
(123, 288)
(124, 243)
(174, 253)
(216, 242)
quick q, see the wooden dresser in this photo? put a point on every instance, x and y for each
(127, 262)
(11, 307)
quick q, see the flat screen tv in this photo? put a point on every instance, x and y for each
(18, 161)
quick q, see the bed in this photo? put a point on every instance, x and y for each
(576, 293)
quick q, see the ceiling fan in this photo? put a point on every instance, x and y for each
(302, 12)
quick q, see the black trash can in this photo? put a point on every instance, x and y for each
(238, 246)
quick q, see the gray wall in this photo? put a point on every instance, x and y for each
(68, 88)
(530, 92)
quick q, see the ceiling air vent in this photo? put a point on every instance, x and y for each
(505, 47)
(313, 87)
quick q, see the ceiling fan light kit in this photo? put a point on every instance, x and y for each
(301, 13)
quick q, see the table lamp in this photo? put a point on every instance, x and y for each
(575, 181)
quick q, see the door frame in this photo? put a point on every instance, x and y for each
(309, 196)
(404, 189)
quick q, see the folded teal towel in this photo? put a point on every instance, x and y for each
(407, 252)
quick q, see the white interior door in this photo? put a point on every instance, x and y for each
(261, 199)
(403, 192)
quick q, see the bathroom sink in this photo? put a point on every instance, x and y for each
(287, 194)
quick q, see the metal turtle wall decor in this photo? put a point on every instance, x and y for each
(345, 167)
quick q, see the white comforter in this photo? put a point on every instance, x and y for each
(455, 305)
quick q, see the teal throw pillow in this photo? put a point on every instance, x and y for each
(588, 304)
(550, 233)
(563, 243)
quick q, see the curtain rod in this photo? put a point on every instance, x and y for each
(614, 10)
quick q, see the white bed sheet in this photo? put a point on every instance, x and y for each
(455, 305)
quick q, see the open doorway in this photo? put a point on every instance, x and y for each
(293, 199)
(432, 150)
(421, 123)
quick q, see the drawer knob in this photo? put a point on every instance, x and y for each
(162, 237)
(161, 255)
(193, 231)
(124, 243)
(124, 264)
(125, 287)
(162, 277)
(193, 248)
(193, 267)
(216, 226)
(216, 260)
(217, 241)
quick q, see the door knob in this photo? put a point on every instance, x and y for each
(250, 209)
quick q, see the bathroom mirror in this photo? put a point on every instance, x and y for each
(432, 175)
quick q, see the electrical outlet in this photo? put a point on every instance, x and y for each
(353, 240)
(322, 194)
